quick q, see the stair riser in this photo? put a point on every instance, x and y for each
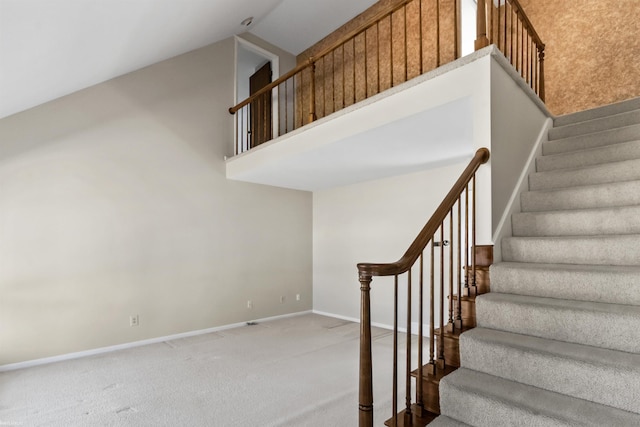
(595, 383)
(596, 125)
(596, 113)
(477, 410)
(599, 329)
(578, 222)
(578, 159)
(608, 195)
(451, 350)
(612, 287)
(592, 140)
(607, 250)
(601, 174)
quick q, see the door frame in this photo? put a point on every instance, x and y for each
(242, 44)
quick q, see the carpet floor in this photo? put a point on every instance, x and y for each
(297, 371)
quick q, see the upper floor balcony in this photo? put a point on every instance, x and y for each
(402, 92)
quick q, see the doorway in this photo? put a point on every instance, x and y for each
(252, 64)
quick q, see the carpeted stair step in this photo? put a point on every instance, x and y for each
(595, 374)
(612, 326)
(627, 170)
(479, 399)
(596, 283)
(582, 222)
(589, 157)
(600, 124)
(589, 196)
(444, 421)
(591, 140)
(623, 249)
(596, 113)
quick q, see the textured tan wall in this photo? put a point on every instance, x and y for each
(592, 51)
(390, 56)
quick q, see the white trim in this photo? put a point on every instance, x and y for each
(513, 205)
(414, 325)
(275, 69)
(93, 352)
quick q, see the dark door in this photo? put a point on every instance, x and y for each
(260, 107)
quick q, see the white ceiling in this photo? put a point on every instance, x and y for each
(50, 48)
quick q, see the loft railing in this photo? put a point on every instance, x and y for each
(395, 45)
(505, 24)
(454, 225)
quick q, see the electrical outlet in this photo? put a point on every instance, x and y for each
(249, 305)
(282, 299)
(297, 297)
(134, 320)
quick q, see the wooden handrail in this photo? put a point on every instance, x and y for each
(427, 232)
(312, 59)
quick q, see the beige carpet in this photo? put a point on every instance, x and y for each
(298, 371)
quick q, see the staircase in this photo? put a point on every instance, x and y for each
(557, 340)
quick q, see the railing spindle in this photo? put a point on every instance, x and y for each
(459, 305)
(366, 365)
(473, 238)
(408, 352)
(451, 245)
(441, 338)
(419, 393)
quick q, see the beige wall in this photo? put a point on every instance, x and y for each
(114, 201)
(592, 51)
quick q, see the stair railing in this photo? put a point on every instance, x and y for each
(505, 24)
(395, 45)
(454, 220)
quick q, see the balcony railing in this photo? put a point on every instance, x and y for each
(410, 38)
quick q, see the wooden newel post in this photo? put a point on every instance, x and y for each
(366, 371)
(541, 59)
(481, 26)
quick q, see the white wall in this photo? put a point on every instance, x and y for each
(114, 201)
(370, 222)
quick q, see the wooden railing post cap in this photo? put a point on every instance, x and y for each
(484, 153)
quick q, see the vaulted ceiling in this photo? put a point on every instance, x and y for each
(50, 48)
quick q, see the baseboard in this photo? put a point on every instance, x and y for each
(414, 325)
(513, 205)
(93, 352)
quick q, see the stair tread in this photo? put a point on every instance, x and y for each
(589, 156)
(589, 221)
(615, 108)
(614, 249)
(590, 140)
(415, 422)
(595, 356)
(495, 398)
(614, 284)
(435, 379)
(612, 121)
(618, 171)
(444, 421)
(609, 377)
(612, 326)
(612, 194)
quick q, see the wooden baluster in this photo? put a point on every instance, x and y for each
(438, 33)
(419, 392)
(466, 242)
(451, 245)
(378, 55)
(498, 26)
(541, 58)
(391, 48)
(441, 339)
(473, 238)
(481, 26)
(366, 67)
(333, 81)
(489, 5)
(394, 404)
(458, 322)
(511, 36)
(456, 38)
(366, 371)
(407, 379)
(517, 41)
(406, 47)
(420, 29)
(344, 93)
(312, 97)
(432, 319)
(354, 70)
(324, 86)
(505, 27)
